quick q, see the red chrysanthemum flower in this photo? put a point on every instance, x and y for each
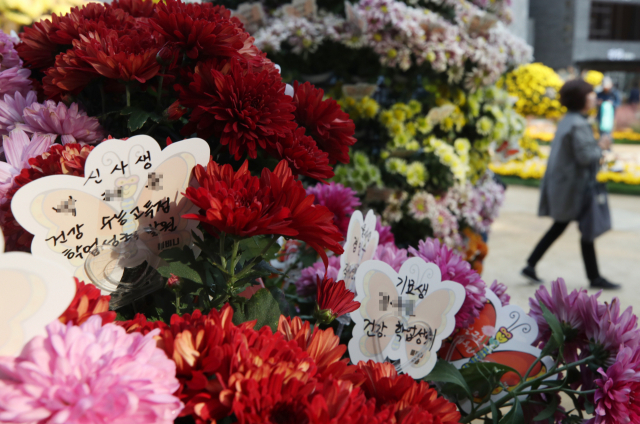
(68, 159)
(324, 119)
(240, 204)
(334, 299)
(245, 108)
(87, 302)
(302, 154)
(409, 401)
(135, 8)
(200, 30)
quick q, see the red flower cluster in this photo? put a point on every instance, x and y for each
(87, 302)
(68, 159)
(291, 376)
(235, 202)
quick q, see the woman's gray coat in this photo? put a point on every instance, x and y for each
(574, 155)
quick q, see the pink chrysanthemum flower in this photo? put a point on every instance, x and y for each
(18, 149)
(501, 291)
(8, 55)
(15, 79)
(618, 391)
(454, 268)
(384, 231)
(11, 109)
(307, 284)
(55, 118)
(89, 374)
(340, 200)
(391, 255)
(606, 328)
(566, 307)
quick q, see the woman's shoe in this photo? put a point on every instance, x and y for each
(529, 273)
(603, 283)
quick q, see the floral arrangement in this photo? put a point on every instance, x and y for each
(536, 86)
(472, 48)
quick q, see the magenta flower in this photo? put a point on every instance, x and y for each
(454, 268)
(566, 307)
(55, 118)
(391, 255)
(606, 328)
(340, 200)
(384, 231)
(307, 284)
(501, 291)
(18, 149)
(11, 109)
(8, 55)
(15, 79)
(89, 374)
(618, 391)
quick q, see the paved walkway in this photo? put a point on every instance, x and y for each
(518, 229)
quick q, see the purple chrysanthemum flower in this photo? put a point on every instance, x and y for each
(340, 200)
(89, 374)
(501, 291)
(391, 255)
(618, 391)
(454, 268)
(8, 55)
(18, 149)
(384, 231)
(606, 328)
(11, 109)
(15, 79)
(566, 307)
(55, 118)
(307, 284)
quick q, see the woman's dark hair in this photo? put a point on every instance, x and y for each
(573, 94)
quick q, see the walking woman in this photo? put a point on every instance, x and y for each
(568, 189)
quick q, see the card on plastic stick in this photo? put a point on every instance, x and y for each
(404, 316)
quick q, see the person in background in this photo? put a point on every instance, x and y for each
(573, 162)
(608, 102)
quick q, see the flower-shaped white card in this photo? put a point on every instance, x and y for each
(502, 335)
(131, 188)
(33, 292)
(404, 316)
(360, 246)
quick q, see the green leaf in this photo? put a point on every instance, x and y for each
(549, 410)
(280, 297)
(515, 415)
(253, 246)
(554, 324)
(484, 377)
(446, 372)
(589, 407)
(262, 307)
(496, 414)
(137, 117)
(180, 262)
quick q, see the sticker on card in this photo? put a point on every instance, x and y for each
(360, 246)
(117, 218)
(501, 335)
(33, 292)
(404, 316)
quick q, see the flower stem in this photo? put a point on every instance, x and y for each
(519, 390)
(126, 86)
(104, 104)
(234, 259)
(177, 303)
(160, 86)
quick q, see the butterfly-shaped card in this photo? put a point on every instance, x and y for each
(357, 22)
(502, 335)
(359, 90)
(33, 292)
(360, 246)
(403, 316)
(131, 189)
(251, 15)
(301, 9)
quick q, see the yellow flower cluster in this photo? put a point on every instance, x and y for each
(593, 77)
(547, 137)
(535, 169)
(456, 157)
(536, 86)
(530, 148)
(358, 109)
(626, 135)
(16, 13)
(415, 172)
